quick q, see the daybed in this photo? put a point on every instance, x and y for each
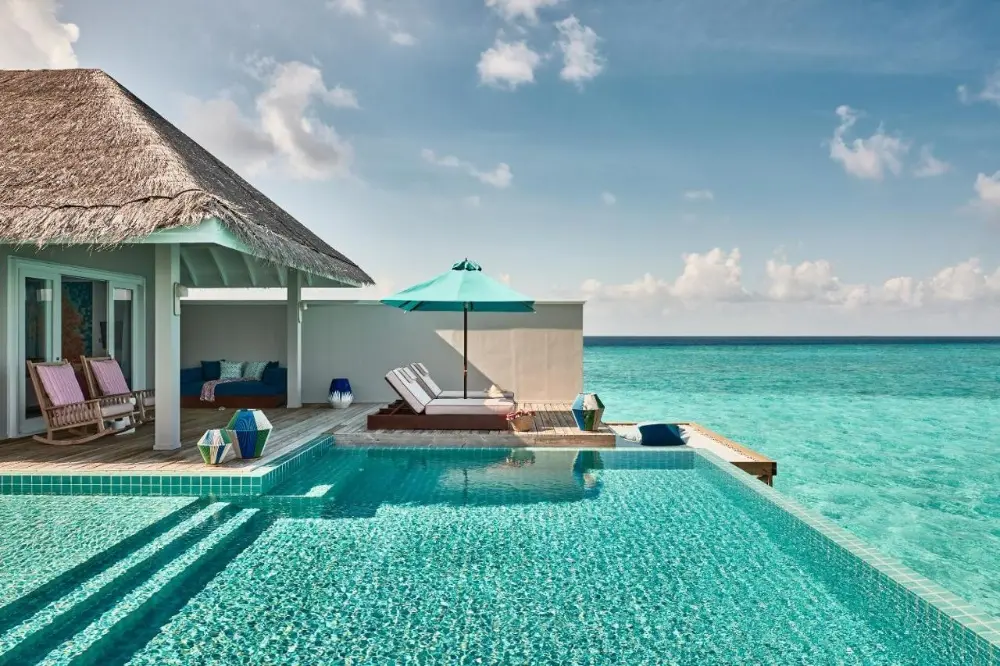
(271, 390)
(418, 411)
(434, 391)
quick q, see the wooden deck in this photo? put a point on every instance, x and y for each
(134, 453)
(554, 427)
(293, 428)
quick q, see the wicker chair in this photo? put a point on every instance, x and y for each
(67, 412)
(105, 379)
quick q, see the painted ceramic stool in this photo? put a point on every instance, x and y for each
(341, 396)
(252, 430)
(587, 411)
(215, 444)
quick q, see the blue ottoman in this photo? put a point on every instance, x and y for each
(660, 434)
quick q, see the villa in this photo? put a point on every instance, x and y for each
(140, 525)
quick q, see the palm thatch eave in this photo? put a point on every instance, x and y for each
(105, 226)
(84, 161)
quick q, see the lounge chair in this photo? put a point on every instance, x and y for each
(105, 379)
(435, 391)
(418, 411)
(66, 410)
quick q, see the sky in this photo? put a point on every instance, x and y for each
(688, 167)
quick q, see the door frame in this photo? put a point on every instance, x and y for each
(19, 268)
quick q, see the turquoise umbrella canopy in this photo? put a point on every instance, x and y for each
(464, 288)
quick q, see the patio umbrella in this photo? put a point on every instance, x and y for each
(465, 288)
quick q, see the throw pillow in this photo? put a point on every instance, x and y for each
(230, 369)
(254, 370)
(210, 370)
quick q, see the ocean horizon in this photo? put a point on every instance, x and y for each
(895, 439)
(666, 340)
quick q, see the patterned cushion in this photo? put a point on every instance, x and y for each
(254, 370)
(60, 384)
(230, 369)
(109, 377)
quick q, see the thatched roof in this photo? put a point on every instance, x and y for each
(83, 160)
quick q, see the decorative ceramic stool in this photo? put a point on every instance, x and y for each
(587, 411)
(215, 444)
(252, 430)
(341, 396)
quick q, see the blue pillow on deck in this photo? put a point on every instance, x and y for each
(660, 434)
(211, 370)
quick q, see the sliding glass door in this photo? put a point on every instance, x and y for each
(39, 338)
(63, 313)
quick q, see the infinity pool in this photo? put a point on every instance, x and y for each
(379, 556)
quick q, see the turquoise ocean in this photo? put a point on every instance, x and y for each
(897, 440)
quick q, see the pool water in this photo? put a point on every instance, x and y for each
(491, 556)
(898, 443)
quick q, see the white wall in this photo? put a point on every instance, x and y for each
(539, 356)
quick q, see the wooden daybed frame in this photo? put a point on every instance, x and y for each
(235, 402)
(399, 416)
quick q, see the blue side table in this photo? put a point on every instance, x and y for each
(341, 396)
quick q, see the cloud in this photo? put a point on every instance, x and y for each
(699, 195)
(812, 281)
(500, 176)
(988, 191)
(508, 65)
(867, 158)
(906, 291)
(716, 276)
(578, 43)
(713, 276)
(511, 10)
(608, 198)
(929, 166)
(473, 201)
(286, 132)
(397, 35)
(965, 282)
(352, 7)
(31, 36)
(388, 23)
(990, 91)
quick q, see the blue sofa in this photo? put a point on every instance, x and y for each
(270, 391)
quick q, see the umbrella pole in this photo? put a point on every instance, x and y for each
(465, 351)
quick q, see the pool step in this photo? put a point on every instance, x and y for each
(13, 613)
(114, 636)
(60, 619)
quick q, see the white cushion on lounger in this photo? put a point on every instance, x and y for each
(423, 377)
(117, 410)
(455, 406)
(408, 389)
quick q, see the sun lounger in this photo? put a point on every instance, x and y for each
(435, 391)
(418, 411)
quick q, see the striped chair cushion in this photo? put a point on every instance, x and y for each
(109, 377)
(60, 385)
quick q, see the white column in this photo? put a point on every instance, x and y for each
(294, 314)
(168, 348)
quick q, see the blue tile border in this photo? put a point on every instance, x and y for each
(977, 633)
(155, 484)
